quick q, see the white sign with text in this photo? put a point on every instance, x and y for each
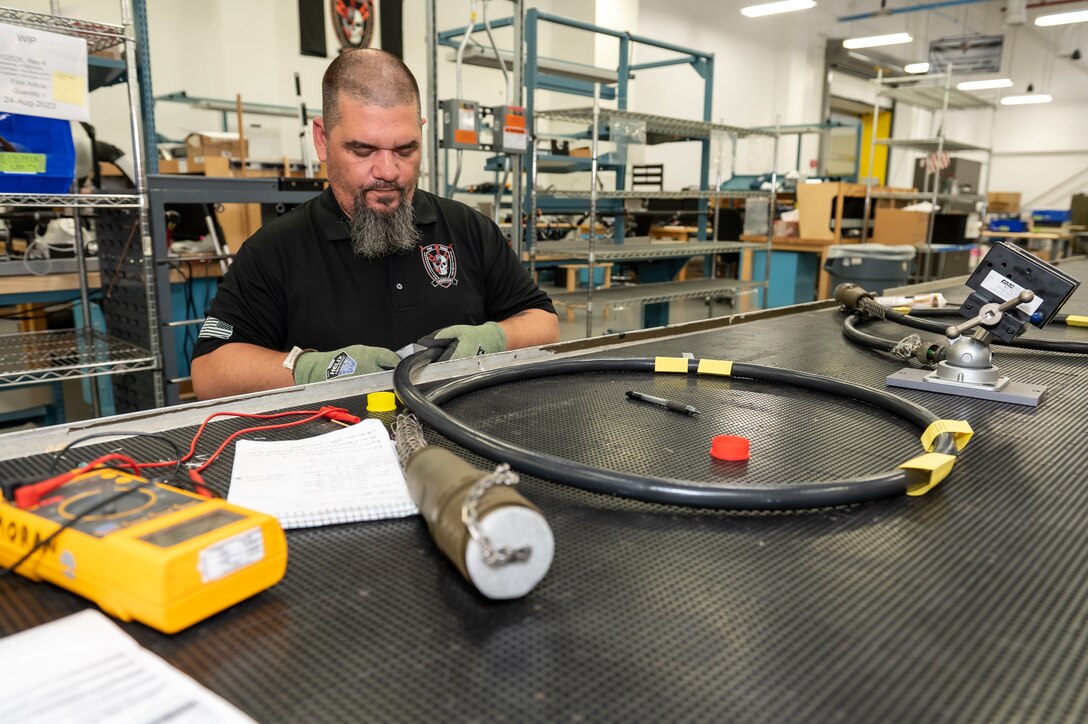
(43, 74)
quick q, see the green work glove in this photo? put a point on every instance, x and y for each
(347, 362)
(466, 340)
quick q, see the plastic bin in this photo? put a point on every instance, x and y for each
(1015, 225)
(875, 267)
(46, 158)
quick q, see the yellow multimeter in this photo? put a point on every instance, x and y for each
(158, 555)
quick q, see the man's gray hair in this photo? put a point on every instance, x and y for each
(371, 76)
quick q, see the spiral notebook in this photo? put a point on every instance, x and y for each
(344, 476)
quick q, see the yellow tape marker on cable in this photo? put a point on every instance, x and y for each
(902, 310)
(716, 367)
(1076, 320)
(960, 429)
(938, 465)
(671, 364)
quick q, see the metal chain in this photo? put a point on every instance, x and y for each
(492, 556)
(407, 437)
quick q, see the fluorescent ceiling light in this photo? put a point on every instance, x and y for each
(916, 67)
(874, 41)
(1025, 100)
(1077, 16)
(786, 6)
(984, 84)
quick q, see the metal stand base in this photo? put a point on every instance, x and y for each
(1017, 393)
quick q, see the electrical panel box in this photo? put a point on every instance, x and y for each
(461, 124)
(508, 124)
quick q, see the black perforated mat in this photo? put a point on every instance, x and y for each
(964, 604)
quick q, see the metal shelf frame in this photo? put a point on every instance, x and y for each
(936, 93)
(166, 189)
(930, 145)
(675, 129)
(640, 247)
(99, 36)
(636, 194)
(85, 353)
(31, 358)
(656, 292)
(659, 129)
(73, 201)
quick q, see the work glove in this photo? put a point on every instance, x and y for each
(347, 362)
(466, 340)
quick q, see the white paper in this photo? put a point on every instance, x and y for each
(343, 476)
(1007, 289)
(84, 668)
(43, 74)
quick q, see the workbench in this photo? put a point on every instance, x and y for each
(792, 243)
(1059, 244)
(965, 604)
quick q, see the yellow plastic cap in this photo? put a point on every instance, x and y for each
(381, 402)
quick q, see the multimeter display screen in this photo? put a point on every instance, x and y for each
(191, 528)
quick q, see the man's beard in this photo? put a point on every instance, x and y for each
(376, 234)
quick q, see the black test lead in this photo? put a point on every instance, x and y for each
(674, 406)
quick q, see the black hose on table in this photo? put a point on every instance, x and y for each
(852, 331)
(653, 489)
(863, 308)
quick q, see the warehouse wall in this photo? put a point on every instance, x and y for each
(766, 71)
(217, 49)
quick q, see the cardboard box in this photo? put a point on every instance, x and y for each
(1003, 202)
(226, 144)
(898, 226)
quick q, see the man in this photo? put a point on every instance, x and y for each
(369, 266)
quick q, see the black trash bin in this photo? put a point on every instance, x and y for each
(875, 267)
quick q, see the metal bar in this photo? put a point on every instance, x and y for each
(695, 54)
(704, 160)
(84, 297)
(592, 208)
(185, 322)
(572, 86)
(143, 76)
(531, 76)
(140, 172)
(449, 35)
(937, 175)
(872, 159)
(572, 23)
(206, 190)
(908, 9)
(771, 202)
(432, 99)
(517, 160)
(661, 64)
(619, 223)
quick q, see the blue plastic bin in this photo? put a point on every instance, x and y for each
(1013, 225)
(51, 166)
(1050, 217)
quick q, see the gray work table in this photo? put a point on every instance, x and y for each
(966, 604)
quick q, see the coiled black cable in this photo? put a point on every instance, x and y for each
(664, 490)
(916, 321)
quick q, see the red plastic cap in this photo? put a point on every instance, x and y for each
(729, 447)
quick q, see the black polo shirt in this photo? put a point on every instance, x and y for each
(296, 282)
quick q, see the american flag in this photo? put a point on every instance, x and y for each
(937, 161)
(216, 328)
